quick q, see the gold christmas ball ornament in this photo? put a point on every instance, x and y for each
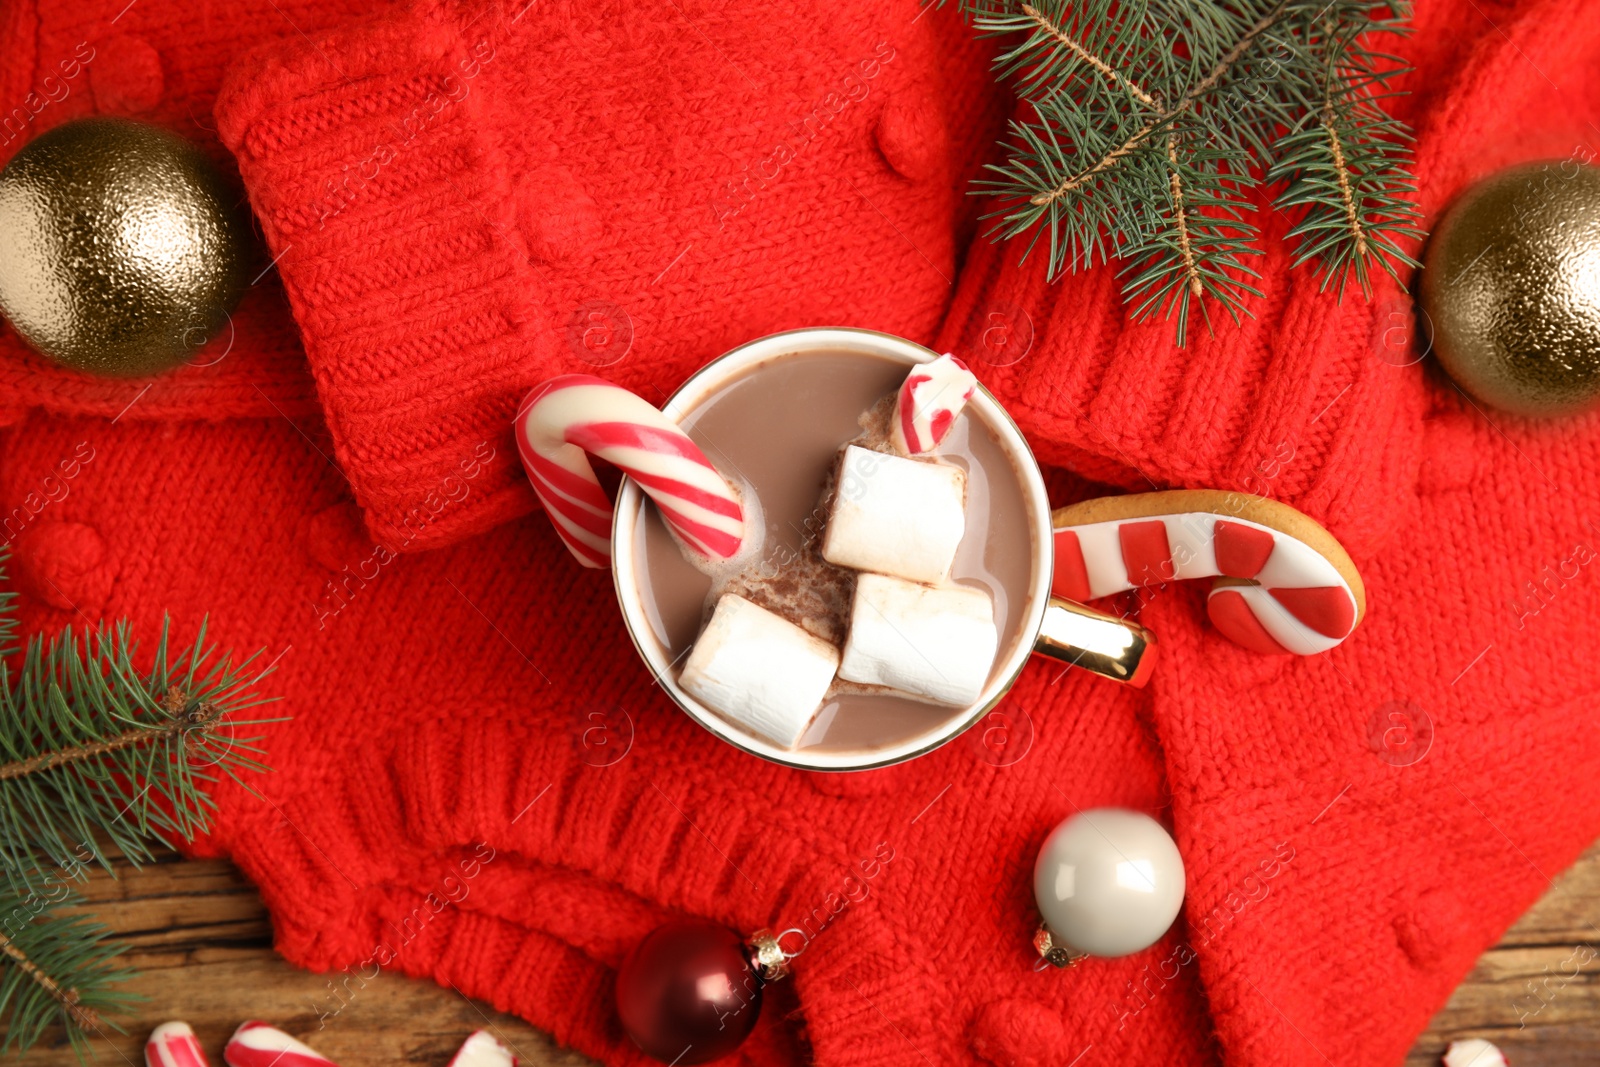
(1511, 286)
(120, 251)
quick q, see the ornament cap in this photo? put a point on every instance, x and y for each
(767, 957)
(1052, 952)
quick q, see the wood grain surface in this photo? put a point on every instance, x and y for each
(202, 941)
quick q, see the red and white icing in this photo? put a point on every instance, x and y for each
(930, 398)
(1298, 603)
(482, 1050)
(174, 1045)
(1473, 1052)
(255, 1044)
(566, 417)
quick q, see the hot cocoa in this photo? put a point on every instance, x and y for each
(777, 430)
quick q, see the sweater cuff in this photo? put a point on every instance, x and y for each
(387, 211)
(1314, 401)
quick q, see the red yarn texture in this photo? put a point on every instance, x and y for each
(480, 785)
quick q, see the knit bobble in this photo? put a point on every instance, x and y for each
(1427, 930)
(336, 536)
(1018, 1033)
(912, 137)
(1455, 460)
(126, 76)
(64, 564)
(563, 223)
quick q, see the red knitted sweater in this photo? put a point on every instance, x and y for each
(480, 785)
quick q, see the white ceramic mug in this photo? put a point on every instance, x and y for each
(1058, 628)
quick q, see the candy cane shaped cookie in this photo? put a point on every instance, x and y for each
(174, 1045)
(564, 417)
(930, 398)
(1284, 584)
(255, 1044)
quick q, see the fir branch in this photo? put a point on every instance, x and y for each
(1052, 31)
(1187, 103)
(1245, 42)
(1148, 126)
(56, 971)
(1076, 181)
(1179, 212)
(1051, 45)
(96, 756)
(180, 725)
(68, 1000)
(1342, 168)
(1191, 197)
(1347, 174)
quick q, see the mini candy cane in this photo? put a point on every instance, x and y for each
(1285, 585)
(482, 1050)
(565, 417)
(255, 1044)
(1473, 1052)
(174, 1045)
(931, 397)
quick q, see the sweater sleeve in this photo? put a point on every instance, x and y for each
(388, 207)
(464, 199)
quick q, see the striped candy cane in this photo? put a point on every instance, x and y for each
(255, 1044)
(482, 1050)
(930, 398)
(565, 417)
(1285, 585)
(1473, 1052)
(174, 1045)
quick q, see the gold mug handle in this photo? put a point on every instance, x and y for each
(1111, 647)
(1106, 645)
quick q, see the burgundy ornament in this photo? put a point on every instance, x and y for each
(690, 992)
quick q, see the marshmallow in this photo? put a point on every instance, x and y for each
(759, 670)
(896, 516)
(934, 644)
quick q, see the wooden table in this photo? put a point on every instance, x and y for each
(202, 941)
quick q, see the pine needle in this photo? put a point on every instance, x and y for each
(8, 609)
(1148, 126)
